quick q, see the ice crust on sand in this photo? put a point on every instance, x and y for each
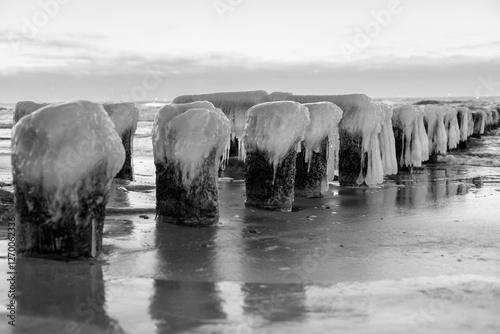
(188, 133)
(272, 128)
(325, 117)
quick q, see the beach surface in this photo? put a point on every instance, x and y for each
(419, 254)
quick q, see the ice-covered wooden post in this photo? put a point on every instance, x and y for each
(451, 126)
(495, 118)
(125, 117)
(273, 131)
(359, 131)
(360, 160)
(479, 117)
(24, 108)
(488, 121)
(463, 116)
(412, 145)
(188, 143)
(318, 159)
(498, 111)
(63, 160)
(436, 131)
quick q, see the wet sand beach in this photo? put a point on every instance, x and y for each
(419, 254)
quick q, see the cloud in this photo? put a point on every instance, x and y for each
(109, 79)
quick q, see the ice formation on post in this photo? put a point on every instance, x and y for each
(451, 126)
(436, 130)
(412, 146)
(359, 145)
(279, 96)
(273, 131)
(470, 129)
(387, 141)
(360, 159)
(24, 108)
(463, 116)
(497, 107)
(234, 105)
(318, 158)
(479, 117)
(495, 118)
(359, 154)
(489, 119)
(124, 117)
(188, 142)
(63, 160)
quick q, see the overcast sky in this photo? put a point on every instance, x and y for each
(55, 50)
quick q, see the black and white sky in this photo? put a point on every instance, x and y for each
(56, 50)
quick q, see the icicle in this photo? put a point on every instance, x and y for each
(308, 158)
(275, 168)
(451, 125)
(241, 149)
(436, 131)
(225, 154)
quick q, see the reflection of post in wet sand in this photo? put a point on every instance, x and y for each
(183, 251)
(443, 185)
(430, 187)
(61, 297)
(352, 197)
(381, 200)
(412, 196)
(118, 194)
(437, 189)
(273, 303)
(282, 300)
(178, 306)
